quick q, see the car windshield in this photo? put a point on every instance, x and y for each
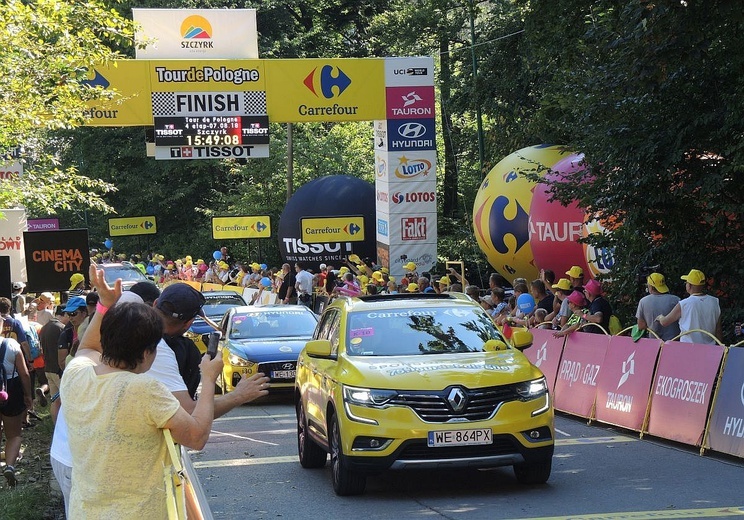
(410, 331)
(127, 274)
(272, 324)
(218, 306)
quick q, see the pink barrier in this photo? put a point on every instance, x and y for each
(576, 386)
(726, 428)
(624, 383)
(545, 354)
(682, 390)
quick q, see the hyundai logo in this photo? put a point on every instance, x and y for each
(288, 366)
(411, 130)
(457, 399)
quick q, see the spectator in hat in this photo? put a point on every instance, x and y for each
(561, 311)
(599, 308)
(91, 299)
(576, 277)
(77, 285)
(412, 287)
(18, 300)
(77, 310)
(577, 305)
(44, 308)
(410, 273)
(698, 311)
(657, 302)
(443, 284)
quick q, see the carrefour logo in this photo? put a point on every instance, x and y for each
(325, 81)
(196, 32)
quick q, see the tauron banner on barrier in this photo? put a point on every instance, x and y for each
(682, 390)
(196, 33)
(726, 429)
(545, 354)
(624, 383)
(576, 386)
(52, 257)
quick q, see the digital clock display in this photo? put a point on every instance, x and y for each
(211, 130)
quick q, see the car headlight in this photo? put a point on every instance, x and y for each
(367, 396)
(238, 361)
(532, 389)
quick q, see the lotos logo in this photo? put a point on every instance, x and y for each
(196, 27)
(325, 81)
(411, 130)
(414, 196)
(411, 168)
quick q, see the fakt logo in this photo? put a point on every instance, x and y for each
(196, 27)
(413, 228)
(325, 81)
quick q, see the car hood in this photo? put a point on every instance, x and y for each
(437, 371)
(271, 349)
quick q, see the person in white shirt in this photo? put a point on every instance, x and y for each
(303, 285)
(699, 311)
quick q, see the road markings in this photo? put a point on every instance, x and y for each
(658, 514)
(253, 461)
(215, 432)
(245, 462)
(593, 440)
(243, 417)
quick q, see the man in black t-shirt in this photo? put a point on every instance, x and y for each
(287, 294)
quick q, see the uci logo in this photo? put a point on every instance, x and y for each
(325, 82)
(411, 130)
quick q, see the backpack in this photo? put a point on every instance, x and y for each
(615, 325)
(33, 341)
(3, 373)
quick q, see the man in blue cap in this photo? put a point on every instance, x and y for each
(77, 310)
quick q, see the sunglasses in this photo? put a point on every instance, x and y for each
(73, 314)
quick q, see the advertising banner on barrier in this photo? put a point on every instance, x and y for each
(682, 390)
(726, 429)
(545, 354)
(52, 257)
(624, 383)
(576, 386)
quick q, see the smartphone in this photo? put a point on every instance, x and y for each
(214, 340)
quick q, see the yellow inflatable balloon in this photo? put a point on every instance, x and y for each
(502, 207)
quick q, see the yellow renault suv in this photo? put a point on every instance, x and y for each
(420, 381)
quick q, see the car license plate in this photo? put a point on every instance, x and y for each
(283, 374)
(460, 437)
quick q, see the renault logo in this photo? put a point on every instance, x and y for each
(457, 399)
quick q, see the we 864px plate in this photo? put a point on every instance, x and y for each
(460, 437)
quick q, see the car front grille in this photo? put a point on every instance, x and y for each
(481, 404)
(419, 450)
(268, 368)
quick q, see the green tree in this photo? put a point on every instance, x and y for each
(48, 47)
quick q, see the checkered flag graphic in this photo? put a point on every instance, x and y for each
(163, 103)
(255, 103)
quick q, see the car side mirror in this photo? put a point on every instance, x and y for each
(521, 339)
(319, 348)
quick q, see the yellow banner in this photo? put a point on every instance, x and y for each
(207, 75)
(332, 229)
(131, 80)
(127, 226)
(241, 227)
(325, 90)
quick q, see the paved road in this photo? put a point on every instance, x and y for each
(249, 470)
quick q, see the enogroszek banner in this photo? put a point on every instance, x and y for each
(196, 33)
